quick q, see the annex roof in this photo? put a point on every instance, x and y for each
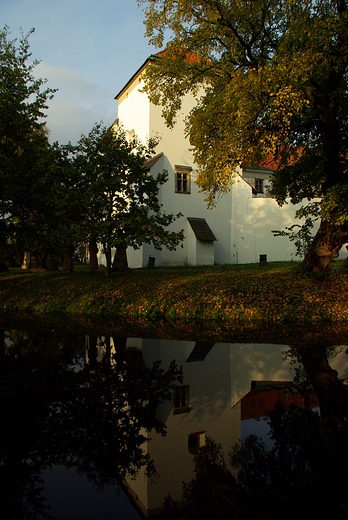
(201, 229)
(150, 162)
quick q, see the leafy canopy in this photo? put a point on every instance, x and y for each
(270, 80)
(24, 146)
(120, 196)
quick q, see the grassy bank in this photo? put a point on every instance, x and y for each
(274, 293)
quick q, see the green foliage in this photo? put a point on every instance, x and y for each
(67, 196)
(24, 147)
(120, 198)
(92, 418)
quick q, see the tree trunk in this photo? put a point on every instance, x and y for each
(108, 262)
(325, 247)
(68, 264)
(50, 261)
(93, 258)
(37, 262)
(92, 351)
(3, 252)
(2, 346)
(25, 262)
(331, 393)
(120, 260)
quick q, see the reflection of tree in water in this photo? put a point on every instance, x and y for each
(91, 416)
(302, 475)
(98, 422)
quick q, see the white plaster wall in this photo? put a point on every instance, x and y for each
(176, 150)
(133, 110)
(204, 252)
(135, 257)
(254, 219)
(199, 252)
(173, 141)
(209, 382)
(343, 252)
(191, 249)
(190, 205)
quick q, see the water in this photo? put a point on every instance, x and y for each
(72, 496)
(110, 426)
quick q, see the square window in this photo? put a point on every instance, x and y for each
(181, 399)
(182, 180)
(259, 185)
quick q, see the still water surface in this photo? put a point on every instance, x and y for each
(99, 427)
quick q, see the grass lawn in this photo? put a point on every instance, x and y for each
(278, 292)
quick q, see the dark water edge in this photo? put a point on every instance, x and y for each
(258, 331)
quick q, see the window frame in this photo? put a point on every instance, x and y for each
(259, 185)
(180, 172)
(181, 402)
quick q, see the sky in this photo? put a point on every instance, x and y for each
(88, 50)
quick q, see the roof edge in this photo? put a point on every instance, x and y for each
(152, 57)
(152, 161)
(201, 229)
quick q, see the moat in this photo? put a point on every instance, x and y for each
(100, 426)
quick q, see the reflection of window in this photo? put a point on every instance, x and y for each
(183, 179)
(195, 442)
(259, 185)
(182, 399)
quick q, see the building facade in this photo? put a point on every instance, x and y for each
(238, 230)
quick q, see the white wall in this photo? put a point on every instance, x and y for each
(343, 252)
(133, 110)
(254, 219)
(204, 252)
(135, 257)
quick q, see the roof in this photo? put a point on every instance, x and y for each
(152, 57)
(150, 162)
(259, 402)
(269, 165)
(181, 167)
(200, 351)
(201, 229)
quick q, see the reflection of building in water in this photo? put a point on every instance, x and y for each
(226, 393)
(216, 379)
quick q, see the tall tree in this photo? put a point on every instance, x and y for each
(270, 78)
(23, 138)
(68, 209)
(121, 197)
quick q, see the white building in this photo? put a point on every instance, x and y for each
(237, 230)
